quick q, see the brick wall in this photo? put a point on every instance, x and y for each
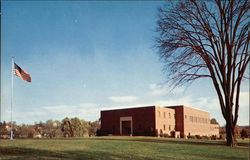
(191, 121)
(214, 130)
(196, 122)
(143, 120)
(179, 119)
(165, 120)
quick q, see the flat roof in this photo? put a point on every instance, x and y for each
(186, 107)
(129, 108)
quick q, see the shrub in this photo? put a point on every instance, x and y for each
(205, 137)
(161, 133)
(191, 137)
(165, 135)
(197, 137)
(222, 137)
(156, 133)
(243, 133)
(101, 133)
(213, 137)
(172, 134)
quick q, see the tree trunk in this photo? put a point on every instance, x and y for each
(230, 130)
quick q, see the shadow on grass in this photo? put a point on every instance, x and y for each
(103, 155)
(14, 153)
(173, 141)
(207, 155)
(29, 153)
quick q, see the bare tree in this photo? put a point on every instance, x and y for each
(200, 39)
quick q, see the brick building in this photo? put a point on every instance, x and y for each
(151, 120)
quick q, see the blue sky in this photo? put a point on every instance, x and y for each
(85, 57)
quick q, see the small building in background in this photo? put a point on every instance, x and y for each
(175, 121)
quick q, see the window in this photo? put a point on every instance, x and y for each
(169, 128)
(164, 127)
(191, 118)
(164, 114)
(159, 113)
(169, 115)
(195, 119)
(185, 116)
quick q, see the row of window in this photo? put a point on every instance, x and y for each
(194, 119)
(164, 114)
(164, 127)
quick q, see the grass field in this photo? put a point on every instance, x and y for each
(121, 148)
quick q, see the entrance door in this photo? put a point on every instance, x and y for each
(126, 127)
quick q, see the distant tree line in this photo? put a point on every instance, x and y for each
(68, 127)
(240, 132)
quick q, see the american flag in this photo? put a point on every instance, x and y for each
(21, 73)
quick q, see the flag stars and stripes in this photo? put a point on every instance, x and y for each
(19, 72)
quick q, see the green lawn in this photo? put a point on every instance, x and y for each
(121, 148)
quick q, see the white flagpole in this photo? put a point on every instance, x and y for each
(12, 80)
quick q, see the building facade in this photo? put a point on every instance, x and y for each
(191, 121)
(154, 120)
(133, 121)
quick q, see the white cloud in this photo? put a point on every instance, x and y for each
(153, 86)
(244, 99)
(174, 101)
(178, 90)
(86, 111)
(158, 90)
(244, 108)
(88, 105)
(123, 98)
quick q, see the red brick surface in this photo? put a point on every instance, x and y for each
(143, 120)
